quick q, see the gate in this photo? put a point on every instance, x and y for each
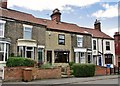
(115, 70)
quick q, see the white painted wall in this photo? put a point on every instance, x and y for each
(112, 49)
(99, 46)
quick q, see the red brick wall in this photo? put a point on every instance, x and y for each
(102, 70)
(46, 73)
(13, 73)
(16, 73)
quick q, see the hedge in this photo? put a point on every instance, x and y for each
(83, 70)
(19, 61)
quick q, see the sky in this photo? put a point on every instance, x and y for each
(80, 12)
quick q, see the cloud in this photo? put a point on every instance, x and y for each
(67, 9)
(111, 31)
(49, 4)
(109, 12)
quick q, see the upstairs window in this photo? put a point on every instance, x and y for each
(2, 28)
(27, 32)
(79, 41)
(61, 39)
(94, 44)
(107, 45)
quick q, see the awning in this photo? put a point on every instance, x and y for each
(61, 50)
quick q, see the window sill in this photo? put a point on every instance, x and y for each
(3, 62)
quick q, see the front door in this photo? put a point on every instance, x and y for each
(40, 56)
(49, 56)
(100, 62)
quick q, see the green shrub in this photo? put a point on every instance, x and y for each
(47, 65)
(83, 70)
(71, 64)
(19, 61)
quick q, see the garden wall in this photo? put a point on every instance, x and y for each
(16, 73)
(99, 70)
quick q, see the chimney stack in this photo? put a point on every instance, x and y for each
(56, 15)
(97, 25)
(3, 4)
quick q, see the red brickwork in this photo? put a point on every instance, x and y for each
(46, 73)
(102, 70)
(16, 73)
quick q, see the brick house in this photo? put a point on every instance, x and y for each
(117, 48)
(21, 34)
(103, 51)
(53, 41)
(64, 44)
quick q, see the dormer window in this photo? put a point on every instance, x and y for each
(27, 32)
(2, 28)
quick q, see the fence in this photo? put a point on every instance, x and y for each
(115, 70)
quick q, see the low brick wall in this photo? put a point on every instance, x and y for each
(46, 73)
(102, 70)
(16, 73)
(13, 73)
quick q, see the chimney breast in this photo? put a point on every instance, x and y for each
(97, 25)
(3, 4)
(56, 15)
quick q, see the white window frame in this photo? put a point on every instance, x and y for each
(27, 26)
(3, 22)
(5, 50)
(95, 44)
(107, 45)
(80, 42)
(25, 51)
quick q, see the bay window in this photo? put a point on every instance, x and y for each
(4, 51)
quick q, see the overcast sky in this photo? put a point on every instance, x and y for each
(80, 12)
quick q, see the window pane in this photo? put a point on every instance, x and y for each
(61, 39)
(27, 33)
(94, 44)
(79, 41)
(61, 57)
(1, 47)
(79, 44)
(1, 29)
(1, 56)
(107, 45)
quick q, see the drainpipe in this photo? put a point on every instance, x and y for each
(97, 52)
(103, 53)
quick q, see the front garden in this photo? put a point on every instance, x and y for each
(19, 68)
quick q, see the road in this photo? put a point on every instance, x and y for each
(87, 81)
(106, 81)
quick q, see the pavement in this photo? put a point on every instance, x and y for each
(66, 80)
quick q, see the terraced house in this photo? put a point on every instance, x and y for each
(21, 34)
(52, 41)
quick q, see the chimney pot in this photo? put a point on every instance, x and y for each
(97, 25)
(3, 4)
(56, 15)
